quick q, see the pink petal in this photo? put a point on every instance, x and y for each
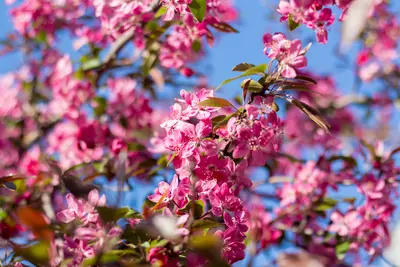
(322, 36)
(86, 233)
(170, 14)
(299, 62)
(240, 151)
(73, 203)
(66, 216)
(93, 197)
(288, 72)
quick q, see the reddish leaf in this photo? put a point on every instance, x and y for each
(312, 113)
(35, 221)
(10, 178)
(224, 27)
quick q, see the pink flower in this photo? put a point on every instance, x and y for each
(222, 198)
(321, 22)
(192, 101)
(210, 168)
(236, 225)
(273, 44)
(369, 71)
(294, 58)
(344, 224)
(117, 145)
(372, 187)
(289, 53)
(233, 250)
(164, 193)
(179, 6)
(252, 143)
(79, 209)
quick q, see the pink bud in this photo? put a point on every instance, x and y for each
(117, 145)
(188, 72)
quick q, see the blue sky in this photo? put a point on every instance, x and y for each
(231, 49)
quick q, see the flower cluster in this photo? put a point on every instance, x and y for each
(279, 166)
(289, 54)
(90, 236)
(310, 13)
(377, 58)
(324, 95)
(49, 17)
(364, 225)
(214, 161)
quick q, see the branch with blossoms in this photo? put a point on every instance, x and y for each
(269, 170)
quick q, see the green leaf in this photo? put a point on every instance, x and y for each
(292, 24)
(161, 12)
(135, 147)
(152, 26)
(108, 214)
(326, 204)
(224, 27)
(215, 102)
(37, 254)
(90, 64)
(196, 45)
(20, 185)
(102, 259)
(218, 119)
(341, 249)
(208, 242)
(275, 107)
(219, 122)
(205, 223)
(243, 66)
(162, 161)
(3, 214)
(100, 166)
(158, 243)
(100, 107)
(198, 9)
(198, 208)
(41, 37)
(79, 74)
(210, 247)
(136, 235)
(256, 70)
(171, 159)
(149, 63)
(251, 85)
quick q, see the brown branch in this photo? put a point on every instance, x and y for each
(117, 47)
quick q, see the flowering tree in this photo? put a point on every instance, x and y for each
(266, 171)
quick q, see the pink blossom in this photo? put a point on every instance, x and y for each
(165, 192)
(289, 53)
(344, 224)
(372, 187)
(79, 209)
(322, 21)
(222, 198)
(210, 168)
